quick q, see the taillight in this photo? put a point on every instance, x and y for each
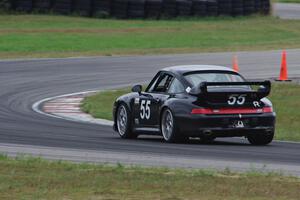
(268, 109)
(201, 111)
(208, 111)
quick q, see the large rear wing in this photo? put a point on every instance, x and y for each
(218, 93)
(263, 90)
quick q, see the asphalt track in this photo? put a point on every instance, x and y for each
(23, 82)
(287, 10)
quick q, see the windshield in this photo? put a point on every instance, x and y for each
(196, 78)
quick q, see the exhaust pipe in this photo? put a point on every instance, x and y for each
(269, 131)
(207, 133)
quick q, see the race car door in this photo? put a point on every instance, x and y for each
(146, 110)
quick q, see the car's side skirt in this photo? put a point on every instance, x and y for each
(146, 130)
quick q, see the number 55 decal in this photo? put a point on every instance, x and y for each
(236, 99)
(145, 109)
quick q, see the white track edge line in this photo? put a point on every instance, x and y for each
(36, 108)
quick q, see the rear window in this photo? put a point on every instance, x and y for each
(196, 78)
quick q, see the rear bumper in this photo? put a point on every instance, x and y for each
(225, 125)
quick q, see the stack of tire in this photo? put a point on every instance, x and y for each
(5, 5)
(82, 7)
(184, 7)
(63, 7)
(238, 7)
(249, 7)
(257, 6)
(265, 7)
(119, 8)
(23, 5)
(143, 8)
(136, 9)
(101, 8)
(225, 7)
(199, 8)
(212, 8)
(42, 6)
(153, 8)
(169, 8)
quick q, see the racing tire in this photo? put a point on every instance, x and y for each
(169, 8)
(101, 8)
(199, 7)
(153, 8)
(169, 129)
(261, 139)
(123, 120)
(119, 9)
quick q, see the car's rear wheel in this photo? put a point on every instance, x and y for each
(123, 119)
(169, 129)
(261, 139)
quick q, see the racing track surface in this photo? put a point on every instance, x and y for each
(287, 10)
(23, 82)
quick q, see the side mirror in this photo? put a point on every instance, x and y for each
(137, 88)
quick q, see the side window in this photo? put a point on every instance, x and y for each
(176, 87)
(151, 88)
(163, 84)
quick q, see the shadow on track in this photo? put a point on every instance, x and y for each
(193, 141)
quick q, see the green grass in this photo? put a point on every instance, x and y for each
(61, 36)
(101, 104)
(35, 178)
(285, 98)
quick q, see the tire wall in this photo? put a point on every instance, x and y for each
(141, 8)
(5, 5)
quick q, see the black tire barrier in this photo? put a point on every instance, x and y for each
(184, 7)
(169, 8)
(265, 7)
(257, 6)
(199, 8)
(101, 8)
(82, 7)
(41, 6)
(143, 8)
(225, 7)
(136, 9)
(119, 8)
(5, 5)
(249, 7)
(238, 7)
(212, 8)
(62, 7)
(153, 8)
(23, 5)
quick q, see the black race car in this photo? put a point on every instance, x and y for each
(197, 101)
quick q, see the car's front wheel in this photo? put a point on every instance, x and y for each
(123, 119)
(169, 129)
(261, 139)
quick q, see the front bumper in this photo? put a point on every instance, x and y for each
(225, 125)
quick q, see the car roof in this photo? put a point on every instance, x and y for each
(182, 69)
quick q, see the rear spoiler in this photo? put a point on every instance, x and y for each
(262, 91)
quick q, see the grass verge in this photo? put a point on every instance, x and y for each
(63, 36)
(35, 178)
(285, 98)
